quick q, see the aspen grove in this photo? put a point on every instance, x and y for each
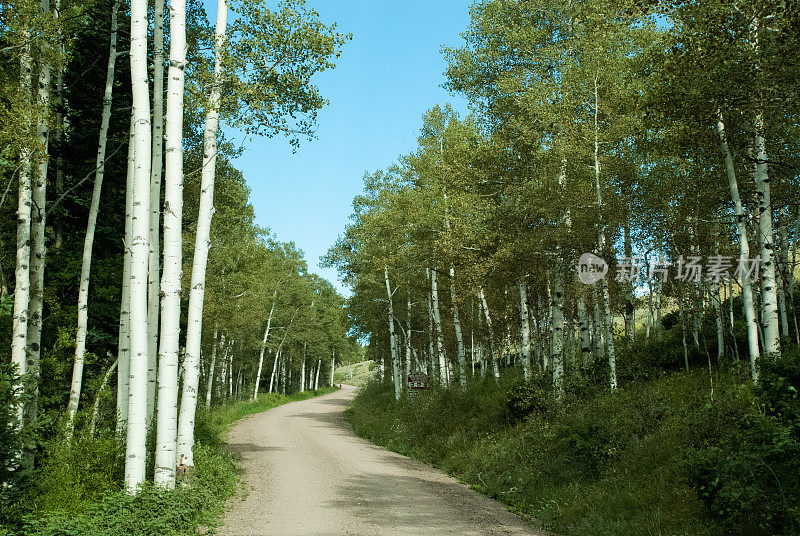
(139, 280)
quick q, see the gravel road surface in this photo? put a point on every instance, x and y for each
(306, 473)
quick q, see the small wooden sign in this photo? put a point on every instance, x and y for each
(418, 381)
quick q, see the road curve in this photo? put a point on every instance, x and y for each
(306, 473)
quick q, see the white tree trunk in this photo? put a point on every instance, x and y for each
(202, 242)
(525, 329)
(38, 246)
(22, 275)
(316, 374)
(744, 248)
(398, 387)
(782, 274)
(333, 366)
(437, 323)
(274, 369)
(557, 332)
(263, 347)
(492, 346)
(584, 328)
(210, 381)
(88, 241)
(303, 371)
(96, 405)
(462, 356)
(167, 421)
(769, 296)
(608, 320)
(136, 449)
(408, 335)
(124, 339)
(156, 167)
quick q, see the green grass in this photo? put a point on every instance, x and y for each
(358, 374)
(79, 493)
(610, 464)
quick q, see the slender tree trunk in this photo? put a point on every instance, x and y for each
(316, 374)
(783, 274)
(744, 249)
(96, 405)
(608, 321)
(557, 321)
(274, 369)
(22, 275)
(437, 322)
(462, 357)
(38, 246)
(88, 242)
(682, 313)
(408, 334)
(303, 371)
(202, 242)
(136, 448)
(584, 328)
(431, 354)
(492, 346)
(264, 346)
(333, 366)
(769, 312)
(170, 288)
(124, 338)
(398, 387)
(210, 382)
(525, 330)
(156, 167)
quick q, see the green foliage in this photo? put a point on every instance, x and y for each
(629, 462)
(79, 490)
(745, 465)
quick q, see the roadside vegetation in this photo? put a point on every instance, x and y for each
(80, 491)
(657, 456)
(358, 374)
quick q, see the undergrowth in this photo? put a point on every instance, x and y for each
(657, 456)
(78, 489)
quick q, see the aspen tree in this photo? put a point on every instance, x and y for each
(194, 325)
(135, 452)
(156, 168)
(124, 334)
(170, 286)
(88, 241)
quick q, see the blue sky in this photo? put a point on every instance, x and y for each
(389, 74)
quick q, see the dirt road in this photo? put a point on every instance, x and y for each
(307, 474)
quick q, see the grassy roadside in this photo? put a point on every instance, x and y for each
(655, 458)
(77, 494)
(358, 374)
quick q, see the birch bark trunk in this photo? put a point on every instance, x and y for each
(124, 337)
(170, 291)
(136, 449)
(557, 341)
(408, 334)
(462, 356)
(437, 322)
(769, 311)
(96, 405)
(38, 221)
(202, 242)
(607, 318)
(210, 382)
(392, 338)
(274, 369)
(333, 366)
(744, 247)
(22, 274)
(88, 241)
(316, 374)
(263, 347)
(156, 167)
(525, 330)
(783, 274)
(492, 346)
